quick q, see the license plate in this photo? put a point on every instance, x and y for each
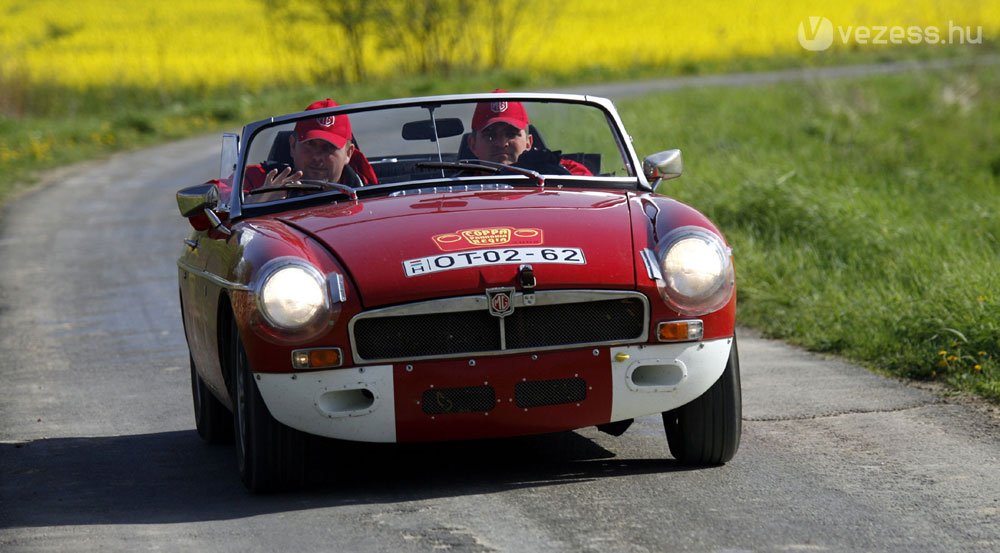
(499, 256)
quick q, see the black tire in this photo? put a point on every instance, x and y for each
(707, 430)
(270, 455)
(213, 420)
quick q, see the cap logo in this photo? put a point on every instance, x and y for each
(498, 107)
(326, 121)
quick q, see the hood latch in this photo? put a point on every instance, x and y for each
(526, 277)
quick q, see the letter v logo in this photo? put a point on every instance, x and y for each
(819, 34)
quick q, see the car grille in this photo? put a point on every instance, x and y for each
(462, 326)
(419, 335)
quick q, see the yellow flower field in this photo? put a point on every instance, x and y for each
(196, 44)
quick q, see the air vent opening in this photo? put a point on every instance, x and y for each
(341, 402)
(658, 376)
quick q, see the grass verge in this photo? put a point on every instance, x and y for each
(863, 213)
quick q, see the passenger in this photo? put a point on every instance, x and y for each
(321, 149)
(500, 134)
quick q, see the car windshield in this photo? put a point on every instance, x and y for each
(457, 143)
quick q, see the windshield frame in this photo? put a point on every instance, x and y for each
(238, 210)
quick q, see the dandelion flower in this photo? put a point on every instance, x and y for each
(978, 368)
(942, 353)
(942, 363)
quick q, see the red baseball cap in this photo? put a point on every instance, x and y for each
(335, 129)
(487, 113)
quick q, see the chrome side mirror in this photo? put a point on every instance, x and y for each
(230, 155)
(663, 165)
(196, 199)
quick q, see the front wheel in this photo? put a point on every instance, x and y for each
(212, 419)
(270, 455)
(707, 430)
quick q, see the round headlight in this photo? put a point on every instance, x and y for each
(293, 295)
(697, 271)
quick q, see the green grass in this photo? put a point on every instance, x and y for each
(863, 213)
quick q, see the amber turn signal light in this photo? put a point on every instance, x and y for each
(680, 331)
(316, 358)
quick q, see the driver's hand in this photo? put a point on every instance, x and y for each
(286, 176)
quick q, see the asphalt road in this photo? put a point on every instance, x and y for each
(98, 450)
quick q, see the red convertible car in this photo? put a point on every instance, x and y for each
(447, 268)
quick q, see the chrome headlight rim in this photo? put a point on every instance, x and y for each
(718, 294)
(270, 270)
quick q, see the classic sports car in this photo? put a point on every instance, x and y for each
(430, 295)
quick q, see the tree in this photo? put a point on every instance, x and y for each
(355, 18)
(503, 18)
(431, 32)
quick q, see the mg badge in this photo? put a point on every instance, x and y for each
(501, 301)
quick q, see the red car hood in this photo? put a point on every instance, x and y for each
(410, 248)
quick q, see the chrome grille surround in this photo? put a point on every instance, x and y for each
(364, 328)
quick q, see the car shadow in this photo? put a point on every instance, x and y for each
(173, 477)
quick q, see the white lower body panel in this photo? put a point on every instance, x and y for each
(350, 404)
(658, 378)
(358, 404)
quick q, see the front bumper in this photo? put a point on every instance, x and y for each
(485, 397)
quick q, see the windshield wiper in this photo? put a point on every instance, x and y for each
(488, 166)
(308, 185)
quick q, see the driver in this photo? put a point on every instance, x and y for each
(500, 134)
(321, 149)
